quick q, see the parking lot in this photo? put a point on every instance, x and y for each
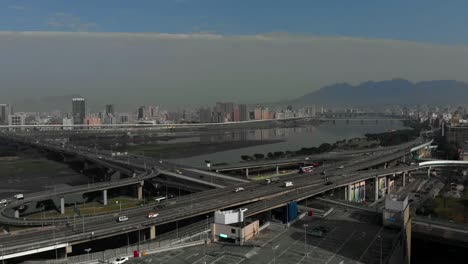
(349, 236)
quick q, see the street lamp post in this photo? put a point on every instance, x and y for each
(120, 205)
(305, 239)
(274, 248)
(87, 251)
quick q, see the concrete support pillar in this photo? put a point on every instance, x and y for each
(247, 172)
(277, 169)
(350, 193)
(62, 205)
(385, 165)
(388, 184)
(104, 197)
(140, 192)
(404, 178)
(69, 249)
(152, 232)
(429, 172)
(376, 188)
(16, 214)
(346, 193)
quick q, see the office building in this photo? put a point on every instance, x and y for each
(223, 112)
(92, 121)
(110, 110)
(124, 118)
(205, 115)
(243, 114)
(141, 113)
(265, 113)
(258, 113)
(67, 123)
(236, 117)
(18, 119)
(5, 111)
(78, 110)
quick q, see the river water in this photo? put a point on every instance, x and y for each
(286, 138)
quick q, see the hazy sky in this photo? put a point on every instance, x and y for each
(240, 59)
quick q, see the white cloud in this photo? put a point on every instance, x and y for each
(68, 22)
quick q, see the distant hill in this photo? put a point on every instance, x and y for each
(396, 91)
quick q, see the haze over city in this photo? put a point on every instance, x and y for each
(189, 57)
(233, 131)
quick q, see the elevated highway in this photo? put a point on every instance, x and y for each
(256, 197)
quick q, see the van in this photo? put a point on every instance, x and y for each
(19, 196)
(122, 218)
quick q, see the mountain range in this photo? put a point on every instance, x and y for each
(395, 91)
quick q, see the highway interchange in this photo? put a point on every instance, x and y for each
(257, 197)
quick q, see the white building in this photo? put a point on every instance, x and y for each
(67, 123)
(18, 119)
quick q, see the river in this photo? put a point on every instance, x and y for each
(286, 138)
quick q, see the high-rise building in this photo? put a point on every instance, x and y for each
(124, 118)
(18, 119)
(142, 112)
(243, 114)
(265, 113)
(78, 110)
(224, 112)
(258, 113)
(205, 115)
(110, 110)
(236, 117)
(5, 111)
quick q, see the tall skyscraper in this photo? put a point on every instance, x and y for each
(110, 110)
(5, 111)
(205, 115)
(142, 112)
(224, 111)
(243, 114)
(78, 110)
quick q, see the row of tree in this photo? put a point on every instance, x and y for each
(325, 147)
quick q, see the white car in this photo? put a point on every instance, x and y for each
(3, 202)
(122, 218)
(341, 167)
(152, 215)
(19, 196)
(120, 260)
(239, 189)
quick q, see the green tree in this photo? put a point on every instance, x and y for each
(259, 156)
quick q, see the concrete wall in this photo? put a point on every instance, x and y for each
(250, 231)
(240, 235)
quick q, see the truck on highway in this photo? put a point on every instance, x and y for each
(288, 184)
